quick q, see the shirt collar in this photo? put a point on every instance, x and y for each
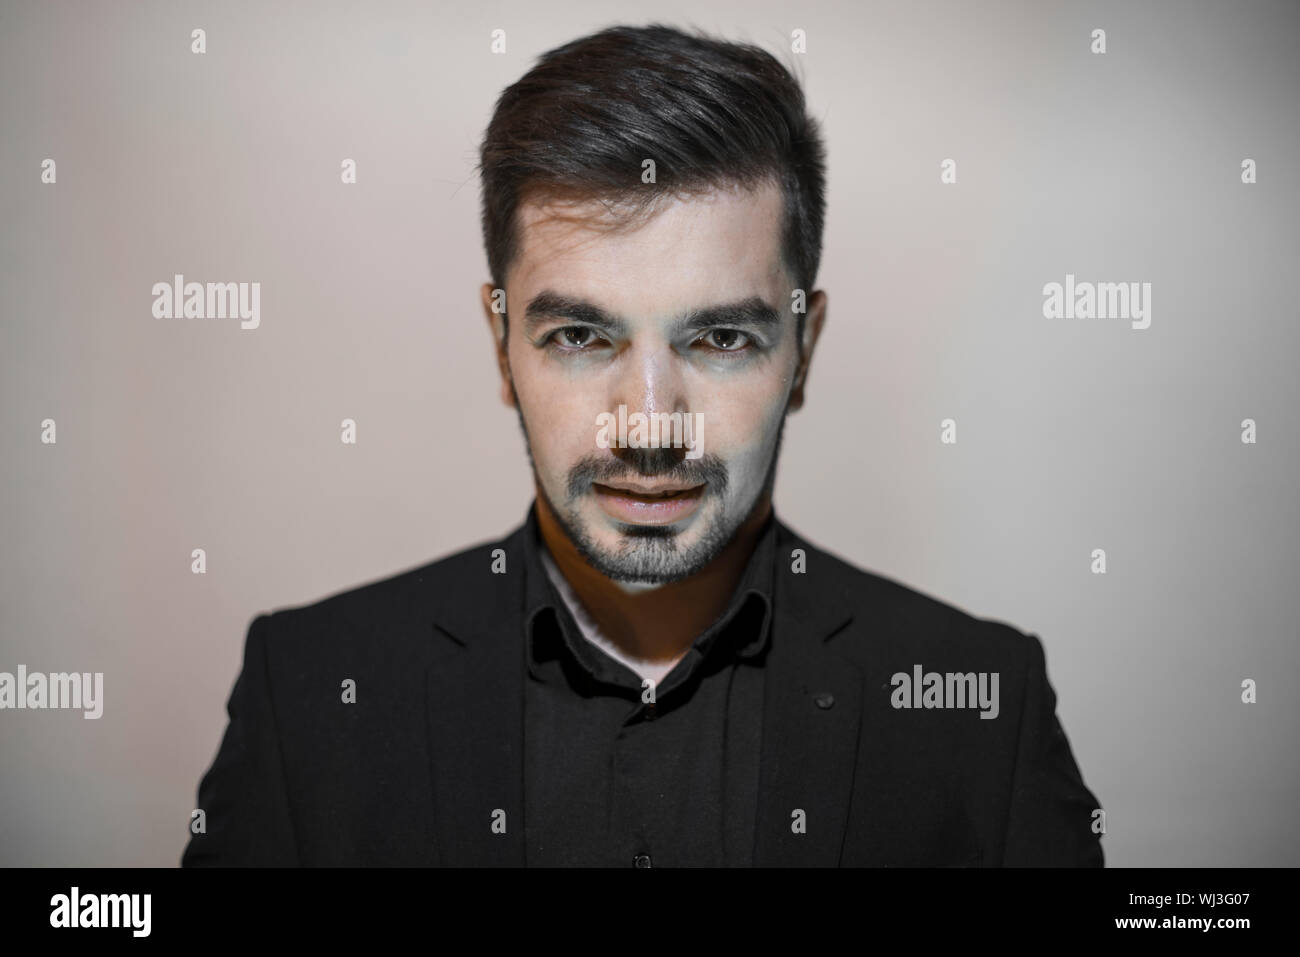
(756, 584)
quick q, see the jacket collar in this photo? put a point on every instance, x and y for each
(811, 714)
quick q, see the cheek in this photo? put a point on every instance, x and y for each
(745, 420)
(561, 420)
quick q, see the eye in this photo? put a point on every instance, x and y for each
(572, 338)
(725, 340)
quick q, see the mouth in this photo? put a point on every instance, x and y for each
(660, 504)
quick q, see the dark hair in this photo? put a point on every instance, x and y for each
(708, 112)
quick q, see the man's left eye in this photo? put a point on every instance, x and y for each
(725, 340)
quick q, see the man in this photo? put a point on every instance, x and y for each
(652, 670)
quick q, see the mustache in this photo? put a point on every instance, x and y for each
(667, 463)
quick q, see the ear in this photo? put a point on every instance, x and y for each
(497, 326)
(812, 330)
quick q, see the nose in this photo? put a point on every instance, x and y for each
(650, 381)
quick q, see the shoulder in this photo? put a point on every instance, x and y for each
(895, 618)
(396, 607)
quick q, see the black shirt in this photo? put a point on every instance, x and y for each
(612, 781)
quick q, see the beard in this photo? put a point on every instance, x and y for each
(651, 554)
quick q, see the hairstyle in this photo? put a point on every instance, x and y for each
(709, 113)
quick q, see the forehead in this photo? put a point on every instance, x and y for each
(716, 246)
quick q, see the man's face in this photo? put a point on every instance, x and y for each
(688, 311)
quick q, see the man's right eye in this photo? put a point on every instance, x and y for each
(572, 338)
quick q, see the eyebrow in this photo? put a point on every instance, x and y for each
(751, 313)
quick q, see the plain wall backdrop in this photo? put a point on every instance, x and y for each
(1073, 434)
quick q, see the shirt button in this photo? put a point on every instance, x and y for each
(641, 860)
(650, 712)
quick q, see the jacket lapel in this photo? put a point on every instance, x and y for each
(811, 716)
(475, 719)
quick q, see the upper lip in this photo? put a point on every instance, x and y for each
(649, 489)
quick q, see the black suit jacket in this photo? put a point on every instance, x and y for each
(413, 771)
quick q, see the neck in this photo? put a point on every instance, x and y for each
(656, 624)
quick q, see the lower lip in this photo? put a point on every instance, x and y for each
(636, 510)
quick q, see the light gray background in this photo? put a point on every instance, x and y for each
(1073, 435)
